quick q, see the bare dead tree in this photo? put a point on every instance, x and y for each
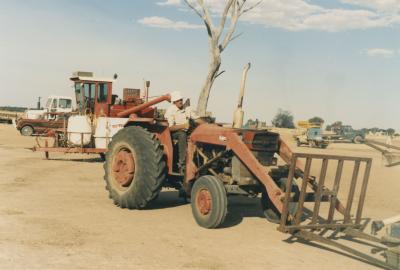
(219, 38)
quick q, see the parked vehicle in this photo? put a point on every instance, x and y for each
(310, 134)
(97, 117)
(347, 134)
(52, 116)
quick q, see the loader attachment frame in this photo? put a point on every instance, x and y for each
(392, 157)
(324, 230)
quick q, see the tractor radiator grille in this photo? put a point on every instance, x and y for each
(265, 142)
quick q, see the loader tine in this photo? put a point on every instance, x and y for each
(303, 191)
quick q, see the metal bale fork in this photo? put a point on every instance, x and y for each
(314, 228)
(392, 156)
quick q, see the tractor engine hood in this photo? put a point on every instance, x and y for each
(255, 140)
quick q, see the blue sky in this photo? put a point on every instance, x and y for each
(336, 59)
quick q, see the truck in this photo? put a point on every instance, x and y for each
(40, 121)
(310, 134)
(346, 133)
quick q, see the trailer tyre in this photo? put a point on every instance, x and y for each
(209, 202)
(27, 131)
(135, 168)
(269, 209)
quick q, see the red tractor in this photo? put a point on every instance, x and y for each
(221, 161)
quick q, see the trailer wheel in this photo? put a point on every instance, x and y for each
(269, 209)
(26, 130)
(134, 168)
(209, 202)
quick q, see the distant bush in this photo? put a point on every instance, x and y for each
(13, 109)
(316, 120)
(283, 119)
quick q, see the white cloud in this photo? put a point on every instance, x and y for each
(381, 52)
(162, 22)
(169, 3)
(299, 15)
(381, 5)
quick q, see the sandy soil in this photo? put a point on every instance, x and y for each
(56, 214)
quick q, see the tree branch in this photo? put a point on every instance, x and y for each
(207, 17)
(204, 16)
(249, 8)
(216, 76)
(223, 18)
(234, 19)
(194, 9)
(235, 37)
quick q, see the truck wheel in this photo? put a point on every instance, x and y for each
(134, 168)
(298, 143)
(209, 202)
(26, 131)
(269, 209)
(357, 139)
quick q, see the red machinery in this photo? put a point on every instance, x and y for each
(221, 161)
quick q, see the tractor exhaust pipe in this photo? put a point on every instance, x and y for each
(239, 113)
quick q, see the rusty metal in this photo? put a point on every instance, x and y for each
(143, 106)
(335, 190)
(316, 228)
(124, 167)
(204, 201)
(72, 150)
(303, 190)
(392, 158)
(322, 189)
(309, 236)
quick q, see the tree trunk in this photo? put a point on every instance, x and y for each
(213, 68)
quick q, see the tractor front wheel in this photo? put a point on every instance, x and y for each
(134, 168)
(209, 202)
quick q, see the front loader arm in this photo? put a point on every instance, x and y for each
(236, 144)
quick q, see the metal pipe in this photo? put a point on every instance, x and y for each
(144, 106)
(238, 115)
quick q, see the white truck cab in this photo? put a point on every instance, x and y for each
(58, 104)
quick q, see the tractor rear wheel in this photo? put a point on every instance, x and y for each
(26, 130)
(209, 202)
(270, 212)
(134, 168)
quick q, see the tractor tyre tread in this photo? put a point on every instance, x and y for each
(150, 168)
(219, 202)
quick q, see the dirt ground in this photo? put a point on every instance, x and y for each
(56, 214)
